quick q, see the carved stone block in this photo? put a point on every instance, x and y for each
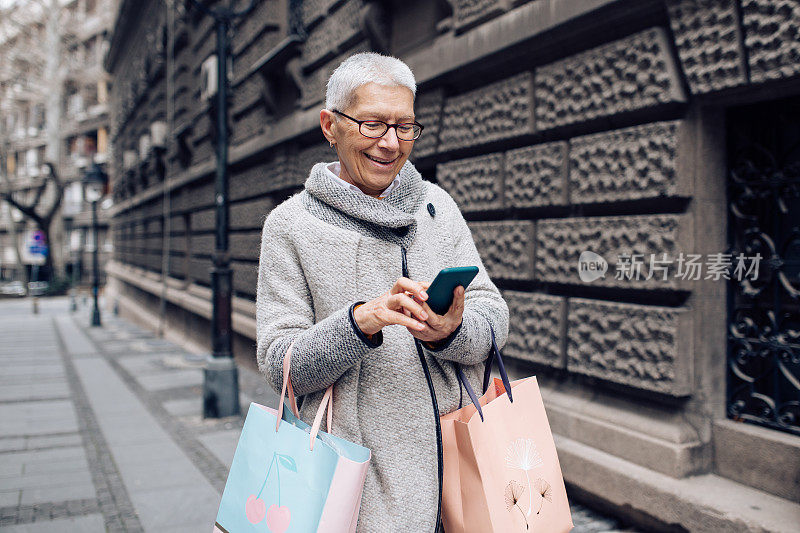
(315, 83)
(249, 124)
(628, 164)
(256, 180)
(152, 261)
(536, 328)
(203, 220)
(245, 277)
(626, 75)
(177, 266)
(476, 184)
(468, 13)
(314, 10)
(708, 38)
(178, 244)
(250, 214)
(536, 175)
(498, 111)
(200, 270)
(641, 346)
(245, 245)
(772, 38)
(506, 248)
(245, 95)
(252, 29)
(309, 156)
(428, 111)
(335, 32)
(622, 242)
(202, 244)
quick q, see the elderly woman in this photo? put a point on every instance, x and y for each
(344, 268)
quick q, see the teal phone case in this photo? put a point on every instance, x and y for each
(440, 293)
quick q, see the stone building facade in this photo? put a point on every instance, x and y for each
(54, 104)
(651, 135)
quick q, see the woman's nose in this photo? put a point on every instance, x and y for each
(389, 140)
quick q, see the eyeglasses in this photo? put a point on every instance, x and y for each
(375, 129)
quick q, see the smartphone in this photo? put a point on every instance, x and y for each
(440, 293)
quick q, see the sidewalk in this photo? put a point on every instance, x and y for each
(101, 428)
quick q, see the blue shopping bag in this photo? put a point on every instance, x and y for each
(287, 476)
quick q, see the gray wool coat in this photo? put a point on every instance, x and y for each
(327, 248)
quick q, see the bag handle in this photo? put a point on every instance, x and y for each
(287, 387)
(327, 399)
(327, 402)
(494, 353)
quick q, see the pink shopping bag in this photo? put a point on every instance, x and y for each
(501, 470)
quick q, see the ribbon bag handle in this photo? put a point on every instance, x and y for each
(326, 403)
(494, 353)
(327, 400)
(287, 387)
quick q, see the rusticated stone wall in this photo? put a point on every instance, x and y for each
(636, 345)
(626, 75)
(708, 40)
(565, 141)
(498, 111)
(537, 331)
(507, 248)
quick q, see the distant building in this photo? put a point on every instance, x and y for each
(54, 101)
(579, 138)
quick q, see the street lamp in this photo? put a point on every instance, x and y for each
(221, 385)
(94, 183)
(73, 303)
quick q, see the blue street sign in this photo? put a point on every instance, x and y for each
(38, 249)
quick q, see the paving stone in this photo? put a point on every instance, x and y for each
(43, 495)
(12, 444)
(222, 444)
(75, 341)
(53, 441)
(46, 479)
(32, 418)
(9, 497)
(169, 507)
(74, 524)
(32, 388)
(171, 379)
(189, 406)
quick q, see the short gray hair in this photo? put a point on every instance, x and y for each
(362, 68)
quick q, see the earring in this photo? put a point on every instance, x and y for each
(332, 145)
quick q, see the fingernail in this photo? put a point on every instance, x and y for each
(423, 295)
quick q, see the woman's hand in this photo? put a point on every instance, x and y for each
(402, 304)
(438, 327)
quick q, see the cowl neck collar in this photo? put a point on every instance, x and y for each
(395, 211)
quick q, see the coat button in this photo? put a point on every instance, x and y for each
(431, 210)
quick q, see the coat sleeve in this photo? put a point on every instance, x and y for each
(483, 305)
(324, 350)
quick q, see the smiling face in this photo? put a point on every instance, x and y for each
(371, 164)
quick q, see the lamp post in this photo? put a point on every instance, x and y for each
(94, 182)
(73, 304)
(221, 384)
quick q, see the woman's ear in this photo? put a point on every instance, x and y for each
(328, 124)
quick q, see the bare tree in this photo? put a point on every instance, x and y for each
(37, 209)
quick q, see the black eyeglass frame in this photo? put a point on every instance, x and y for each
(395, 126)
